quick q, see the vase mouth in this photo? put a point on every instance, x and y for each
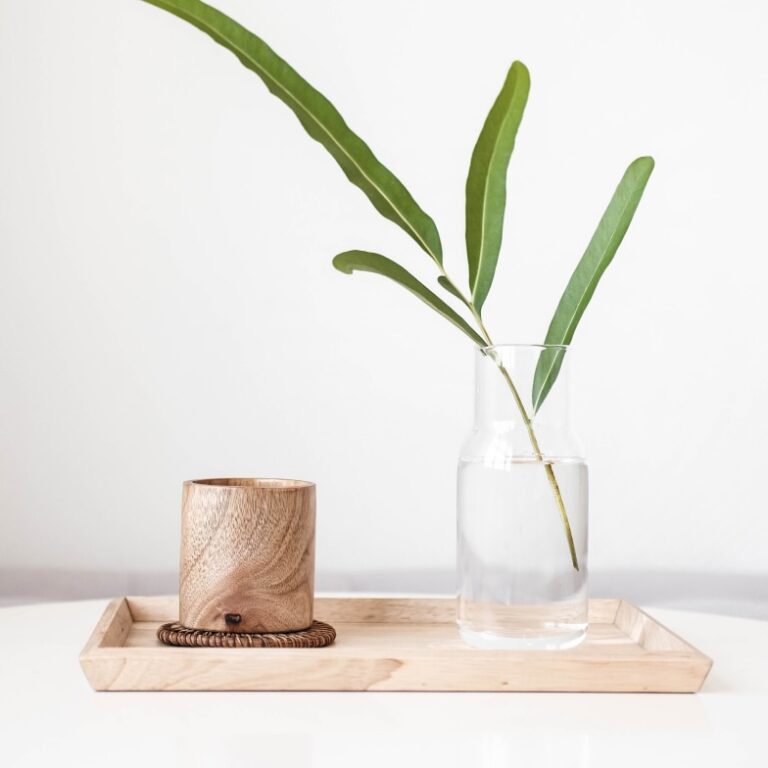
(492, 347)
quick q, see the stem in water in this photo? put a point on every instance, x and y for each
(548, 468)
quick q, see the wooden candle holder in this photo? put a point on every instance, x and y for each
(247, 555)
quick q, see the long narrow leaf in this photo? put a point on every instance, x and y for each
(486, 193)
(319, 117)
(600, 251)
(448, 285)
(349, 261)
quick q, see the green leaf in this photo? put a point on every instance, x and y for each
(486, 193)
(319, 117)
(349, 261)
(447, 284)
(599, 254)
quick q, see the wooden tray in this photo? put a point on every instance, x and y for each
(391, 644)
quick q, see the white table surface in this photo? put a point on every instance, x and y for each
(50, 716)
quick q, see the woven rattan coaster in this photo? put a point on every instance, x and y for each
(317, 636)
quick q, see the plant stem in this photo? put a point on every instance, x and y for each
(548, 468)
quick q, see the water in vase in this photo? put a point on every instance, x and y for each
(517, 584)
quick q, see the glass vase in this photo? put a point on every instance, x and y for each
(522, 506)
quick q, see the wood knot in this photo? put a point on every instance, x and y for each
(233, 618)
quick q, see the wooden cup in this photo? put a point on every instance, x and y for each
(247, 555)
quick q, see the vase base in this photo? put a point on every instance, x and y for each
(559, 638)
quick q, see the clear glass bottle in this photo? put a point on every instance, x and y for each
(522, 508)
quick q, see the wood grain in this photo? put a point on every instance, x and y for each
(247, 555)
(397, 644)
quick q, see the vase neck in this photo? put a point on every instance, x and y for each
(517, 392)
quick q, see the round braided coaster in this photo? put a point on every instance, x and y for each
(317, 636)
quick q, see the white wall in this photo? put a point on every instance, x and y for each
(168, 309)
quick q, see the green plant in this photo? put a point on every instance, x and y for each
(485, 204)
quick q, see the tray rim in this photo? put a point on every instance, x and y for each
(661, 646)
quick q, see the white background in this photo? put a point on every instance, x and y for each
(168, 308)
